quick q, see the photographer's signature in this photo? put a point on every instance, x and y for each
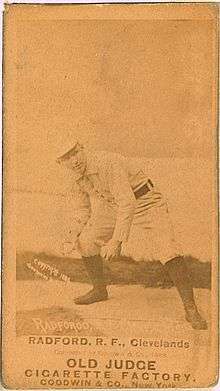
(45, 271)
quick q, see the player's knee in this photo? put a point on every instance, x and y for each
(87, 246)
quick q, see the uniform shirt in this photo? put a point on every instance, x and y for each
(113, 178)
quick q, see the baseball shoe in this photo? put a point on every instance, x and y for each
(93, 296)
(195, 319)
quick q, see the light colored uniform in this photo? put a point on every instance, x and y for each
(113, 204)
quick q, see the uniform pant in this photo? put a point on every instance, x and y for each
(151, 236)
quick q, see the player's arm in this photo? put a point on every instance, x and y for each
(121, 190)
(81, 215)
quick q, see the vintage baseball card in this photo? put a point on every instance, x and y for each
(110, 201)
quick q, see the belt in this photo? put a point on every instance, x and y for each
(143, 189)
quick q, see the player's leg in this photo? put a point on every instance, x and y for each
(178, 272)
(94, 268)
(162, 246)
(180, 275)
(90, 242)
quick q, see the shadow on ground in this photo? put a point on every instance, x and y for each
(120, 271)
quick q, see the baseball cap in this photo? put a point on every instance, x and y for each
(65, 147)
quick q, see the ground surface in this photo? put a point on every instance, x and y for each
(129, 310)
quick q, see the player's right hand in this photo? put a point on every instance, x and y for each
(67, 247)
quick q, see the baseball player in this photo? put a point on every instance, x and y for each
(115, 197)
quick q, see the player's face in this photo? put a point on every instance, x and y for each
(75, 162)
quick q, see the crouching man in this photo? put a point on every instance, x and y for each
(118, 196)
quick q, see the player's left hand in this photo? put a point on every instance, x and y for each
(111, 249)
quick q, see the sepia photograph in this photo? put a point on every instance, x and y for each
(110, 198)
